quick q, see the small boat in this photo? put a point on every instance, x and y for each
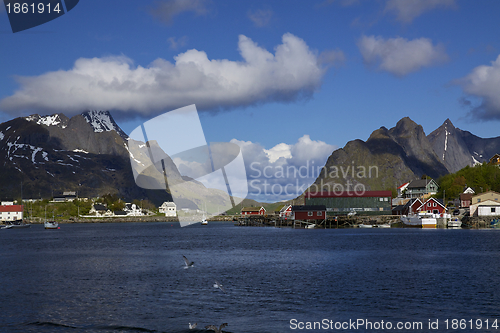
(18, 224)
(311, 226)
(365, 225)
(7, 226)
(422, 220)
(384, 225)
(51, 225)
(454, 223)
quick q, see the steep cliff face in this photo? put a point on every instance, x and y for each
(458, 149)
(387, 159)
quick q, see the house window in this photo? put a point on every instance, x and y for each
(309, 213)
(381, 199)
(493, 210)
(433, 204)
(319, 213)
(479, 200)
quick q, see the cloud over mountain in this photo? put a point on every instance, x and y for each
(292, 73)
(400, 56)
(484, 83)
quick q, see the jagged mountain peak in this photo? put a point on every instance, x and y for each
(102, 121)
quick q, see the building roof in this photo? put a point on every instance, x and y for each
(488, 203)
(168, 204)
(308, 208)
(398, 208)
(11, 208)
(370, 194)
(285, 207)
(439, 201)
(404, 185)
(252, 209)
(420, 183)
(120, 212)
(100, 207)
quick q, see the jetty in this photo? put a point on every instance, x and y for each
(332, 222)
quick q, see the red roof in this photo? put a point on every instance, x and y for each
(11, 208)
(369, 194)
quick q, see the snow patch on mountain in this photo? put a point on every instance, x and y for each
(16, 149)
(52, 120)
(101, 121)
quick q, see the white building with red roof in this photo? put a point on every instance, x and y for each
(11, 212)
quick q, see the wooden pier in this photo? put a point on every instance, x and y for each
(329, 223)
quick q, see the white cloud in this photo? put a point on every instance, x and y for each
(284, 171)
(114, 83)
(279, 151)
(484, 82)
(176, 43)
(407, 10)
(400, 56)
(167, 9)
(260, 17)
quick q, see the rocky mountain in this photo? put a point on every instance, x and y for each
(43, 156)
(387, 159)
(457, 148)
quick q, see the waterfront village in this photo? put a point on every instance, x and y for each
(416, 199)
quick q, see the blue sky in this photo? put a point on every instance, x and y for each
(309, 75)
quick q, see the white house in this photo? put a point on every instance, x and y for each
(132, 210)
(485, 208)
(11, 212)
(169, 208)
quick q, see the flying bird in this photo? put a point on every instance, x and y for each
(214, 328)
(188, 263)
(218, 285)
(192, 326)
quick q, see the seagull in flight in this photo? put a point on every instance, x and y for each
(214, 328)
(192, 326)
(218, 285)
(188, 263)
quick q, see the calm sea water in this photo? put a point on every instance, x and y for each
(130, 278)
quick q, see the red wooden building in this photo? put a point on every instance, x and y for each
(309, 212)
(253, 211)
(286, 211)
(410, 207)
(433, 205)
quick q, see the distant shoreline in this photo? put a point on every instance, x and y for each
(119, 219)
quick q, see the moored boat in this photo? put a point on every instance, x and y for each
(422, 220)
(51, 225)
(454, 223)
(18, 224)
